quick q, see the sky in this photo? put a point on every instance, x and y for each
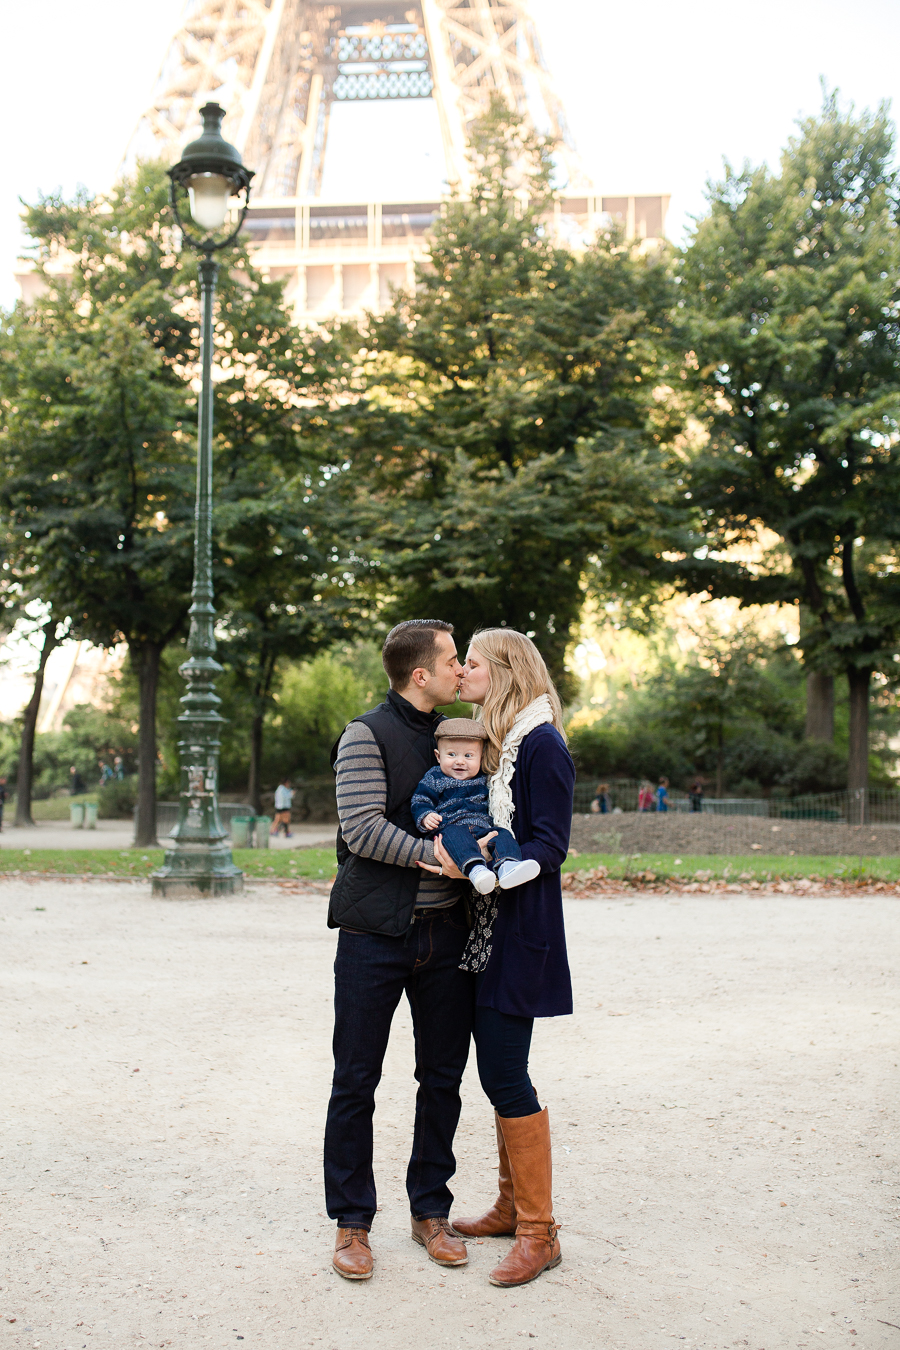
(656, 93)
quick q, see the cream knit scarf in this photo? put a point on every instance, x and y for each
(501, 802)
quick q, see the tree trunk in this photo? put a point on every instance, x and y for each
(819, 706)
(256, 743)
(145, 659)
(720, 764)
(25, 774)
(265, 675)
(858, 760)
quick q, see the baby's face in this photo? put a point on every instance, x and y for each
(459, 759)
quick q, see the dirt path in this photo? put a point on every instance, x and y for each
(724, 1105)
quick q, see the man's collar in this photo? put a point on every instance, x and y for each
(413, 716)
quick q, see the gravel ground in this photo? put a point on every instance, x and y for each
(707, 833)
(724, 1108)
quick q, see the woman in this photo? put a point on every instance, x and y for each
(517, 949)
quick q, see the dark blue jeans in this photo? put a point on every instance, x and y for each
(371, 973)
(502, 1043)
(461, 842)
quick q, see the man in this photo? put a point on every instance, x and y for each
(403, 930)
(284, 797)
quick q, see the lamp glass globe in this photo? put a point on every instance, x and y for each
(209, 196)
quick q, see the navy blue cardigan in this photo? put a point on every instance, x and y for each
(527, 973)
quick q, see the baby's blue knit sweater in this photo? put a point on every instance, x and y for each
(459, 801)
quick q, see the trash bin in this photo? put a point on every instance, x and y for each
(240, 831)
(263, 826)
(76, 815)
(90, 815)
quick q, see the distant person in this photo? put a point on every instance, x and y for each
(695, 793)
(284, 797)
(662, 795)
(118, 768)
(602, 803)
(106, 773)
(76, 782)
(2, 799)
(645, 797)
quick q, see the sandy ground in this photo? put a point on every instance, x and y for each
(120, 834)
(724, 1106)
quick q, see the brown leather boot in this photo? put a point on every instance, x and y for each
(352, 1254)
(500, 1219)
(440, 1241)
(536, 1247)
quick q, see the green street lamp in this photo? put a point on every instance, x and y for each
(198, 860)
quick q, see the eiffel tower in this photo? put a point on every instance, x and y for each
(289, 71)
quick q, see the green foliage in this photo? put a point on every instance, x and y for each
(118, 798)
(99, 443)
(89, 735)
(791, 306)
(733, 713)
(496, 430)
(315, 702)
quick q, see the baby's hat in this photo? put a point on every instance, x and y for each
(460, 729)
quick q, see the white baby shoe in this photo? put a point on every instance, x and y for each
(483, 879)
(517, 873)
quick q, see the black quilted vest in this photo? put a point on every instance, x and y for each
(378, 897)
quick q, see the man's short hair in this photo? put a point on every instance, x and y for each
(410, 645)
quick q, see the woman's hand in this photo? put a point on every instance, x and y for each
(447, 867)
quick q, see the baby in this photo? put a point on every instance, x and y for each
(452, 799)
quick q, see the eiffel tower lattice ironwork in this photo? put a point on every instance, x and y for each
(280, 65)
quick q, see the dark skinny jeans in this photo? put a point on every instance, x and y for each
(371, 975)
(502, 1043)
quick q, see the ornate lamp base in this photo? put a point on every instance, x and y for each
(192, 869)
(189, 878)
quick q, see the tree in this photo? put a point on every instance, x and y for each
(283, 601)
(497, 428)
(723, 688)
(111, 525)
(21, 610)
(790, 295)
(47, 630)
(100, 436)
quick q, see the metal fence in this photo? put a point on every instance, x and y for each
(167, 816)
(875, 806)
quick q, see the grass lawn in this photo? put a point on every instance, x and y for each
(54, 808)
(307, 862)
(740, 867)
(319, 863)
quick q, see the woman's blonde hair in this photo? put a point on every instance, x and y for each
(518, 677)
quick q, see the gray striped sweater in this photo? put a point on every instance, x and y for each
(361, 801)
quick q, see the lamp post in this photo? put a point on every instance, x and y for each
(198, 860)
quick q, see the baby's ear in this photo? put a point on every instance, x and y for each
(437, 755)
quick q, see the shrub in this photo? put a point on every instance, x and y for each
(118, 798)
(816, 766)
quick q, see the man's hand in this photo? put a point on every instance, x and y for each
(431, 821)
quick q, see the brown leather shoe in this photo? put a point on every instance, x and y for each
(536, 1247)
(439, 1241)
(352, 1254)
(500, 1219)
